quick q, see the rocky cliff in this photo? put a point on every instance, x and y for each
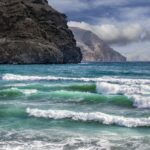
(33, 32)
(94, 49)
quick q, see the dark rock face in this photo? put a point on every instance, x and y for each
(32, 32)
(94, 49)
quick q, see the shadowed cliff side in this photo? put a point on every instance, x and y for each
(32, 32)
(94, 49)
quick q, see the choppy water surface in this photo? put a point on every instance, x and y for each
(103, 106)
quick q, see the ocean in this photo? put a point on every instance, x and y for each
(87, 106)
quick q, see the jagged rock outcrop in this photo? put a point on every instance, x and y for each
(94, 49)
(31, 32)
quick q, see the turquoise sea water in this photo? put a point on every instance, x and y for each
(101, 106)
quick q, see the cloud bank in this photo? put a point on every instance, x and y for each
(116, 33)
(124, 24)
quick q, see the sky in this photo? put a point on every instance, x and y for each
(123, 24)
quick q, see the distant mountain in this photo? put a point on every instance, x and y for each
(94, 49)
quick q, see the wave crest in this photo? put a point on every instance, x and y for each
(14, 92)
(15, 77)
(93, 116)
(138, 93)
(137, 90)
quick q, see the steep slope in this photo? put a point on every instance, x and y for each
(33, 32)
(94, 49)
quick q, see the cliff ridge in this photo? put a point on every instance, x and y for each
(32, 32)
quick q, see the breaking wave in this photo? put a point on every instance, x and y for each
(15, 92)
(87, 97)
(137, 90)
(66, 96)
(93, 116)
(14, 77)
(138, 93)
(86, 87)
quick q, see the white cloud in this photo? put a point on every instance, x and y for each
(125, 24)
(116, 33)
(135, 37)
(135, 51)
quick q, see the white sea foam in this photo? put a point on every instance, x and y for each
(17, 85)
(137, 90)
(15, 77)
(80, 144)
(92, 116)
(34, 145)
(111, 88)
(12, 77)
(139, 93)
(107, 88)
(77, 143)
(141, 101)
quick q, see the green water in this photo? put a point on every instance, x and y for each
(72, 107)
